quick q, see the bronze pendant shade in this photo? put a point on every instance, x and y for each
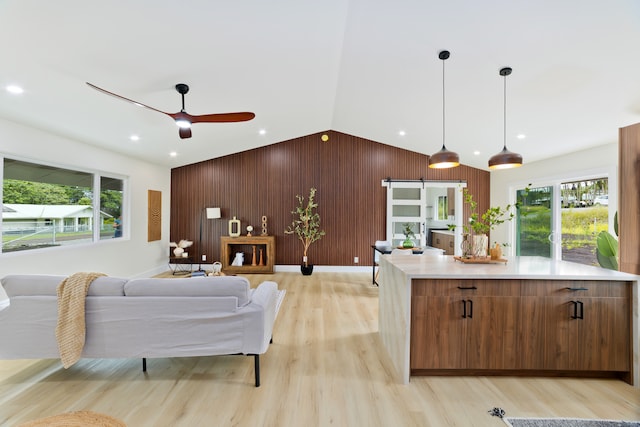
(505, 159)
(444, 158)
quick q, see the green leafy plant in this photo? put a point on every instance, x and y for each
(306, 223)
(407, 230)
(607, 247)
(482, 223)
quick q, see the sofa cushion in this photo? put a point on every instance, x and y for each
(213, 286)
(46, 284)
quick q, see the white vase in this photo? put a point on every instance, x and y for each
(178, 252)
(480, 245)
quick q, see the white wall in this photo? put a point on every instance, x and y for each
(129, 256)
(597, 161)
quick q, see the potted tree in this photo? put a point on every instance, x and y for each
(482, 223)
(306, 225)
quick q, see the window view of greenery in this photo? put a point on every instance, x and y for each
(45, 206)
(584, 212)
(443, 208)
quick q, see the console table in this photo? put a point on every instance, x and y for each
(266, 245)
(180, 264)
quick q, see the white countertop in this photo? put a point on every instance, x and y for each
(444, 266)
(448, 232)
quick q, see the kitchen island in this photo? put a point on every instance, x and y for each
(530, 316)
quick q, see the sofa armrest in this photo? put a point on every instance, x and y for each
(259, 322)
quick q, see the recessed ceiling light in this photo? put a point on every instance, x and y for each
(173, 154)
(402, 133)
(262, 131)
(477, 153)
(134, 138)
(16, 90)
(521, 136)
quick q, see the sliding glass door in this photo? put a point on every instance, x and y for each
(562, 220)
(534, 222)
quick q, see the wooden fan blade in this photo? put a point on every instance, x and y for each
(140, 104)
(222, 118)
(185, 133)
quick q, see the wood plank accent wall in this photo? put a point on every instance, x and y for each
(346, 170)
(629, 198)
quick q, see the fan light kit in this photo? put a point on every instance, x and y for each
(183, 119)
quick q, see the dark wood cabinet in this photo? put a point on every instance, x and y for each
(520, 325)
(444, 241)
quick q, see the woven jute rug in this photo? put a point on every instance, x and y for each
(76, 419)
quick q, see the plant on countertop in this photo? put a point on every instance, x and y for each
(407, 230)
(306, 224)
(487, 221)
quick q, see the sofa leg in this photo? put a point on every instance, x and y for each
(256, 362)
(144, 364)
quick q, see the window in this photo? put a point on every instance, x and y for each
(442, 213)
(44, 206)
(563, 220)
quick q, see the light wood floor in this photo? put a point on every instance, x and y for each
(326, 367)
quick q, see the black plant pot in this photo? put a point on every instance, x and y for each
(306, 269)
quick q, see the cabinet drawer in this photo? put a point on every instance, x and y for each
(461, 287)
(573, 288)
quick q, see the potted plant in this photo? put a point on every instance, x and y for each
(407, 230)
(306, 225)
(482, 223)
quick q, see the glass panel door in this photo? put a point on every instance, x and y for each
(534, 222)
(585, 214)
(406, 208)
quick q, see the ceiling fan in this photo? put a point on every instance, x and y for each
(183, 119)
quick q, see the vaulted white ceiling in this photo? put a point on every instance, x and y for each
(364, 67)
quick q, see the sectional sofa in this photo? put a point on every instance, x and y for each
(144, 318)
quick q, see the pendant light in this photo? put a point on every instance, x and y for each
(505, 159)
(444, 158)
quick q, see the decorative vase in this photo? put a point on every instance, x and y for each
(306, 269)
(177, 252)
(234, 227)
(408, 243)
(480, 245)
(466, 246)
(496, 252)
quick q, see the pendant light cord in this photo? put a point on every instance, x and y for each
(443, 109)
(505, 113)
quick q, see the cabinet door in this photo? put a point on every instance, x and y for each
(438, 333)
(597, 340)
(602, 335)
(492, 333)
(531, 338)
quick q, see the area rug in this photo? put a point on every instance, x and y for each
(567, 422)
(76, 419)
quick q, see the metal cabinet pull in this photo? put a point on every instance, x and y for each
(577, 289)
(467, 314)
(578, 310)
(467, 288)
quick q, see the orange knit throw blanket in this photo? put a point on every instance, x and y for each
(70, 330)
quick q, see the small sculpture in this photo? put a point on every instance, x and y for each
(264, 225)
(249, 230)
(238, 260)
